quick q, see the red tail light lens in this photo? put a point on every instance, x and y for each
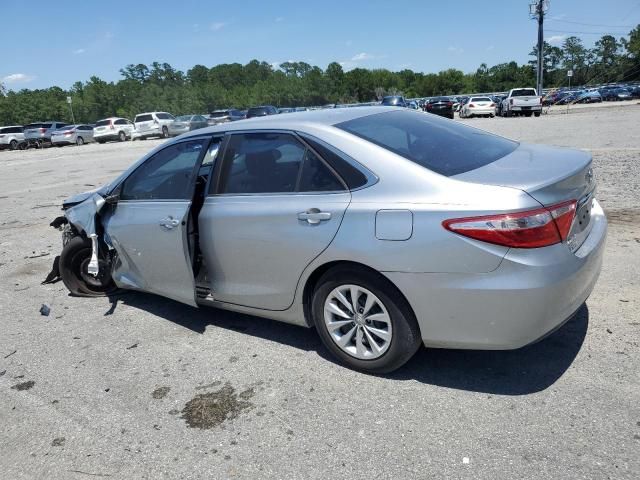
(471, 105)
(492, 105)
(531, 229)
(69, 132)
(449, 104)
(428, 106)
(42, 130)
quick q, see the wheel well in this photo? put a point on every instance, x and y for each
(312, 282)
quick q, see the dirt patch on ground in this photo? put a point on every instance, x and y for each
(160, 392)
(208, 410)
(24, 386)
(624, 216)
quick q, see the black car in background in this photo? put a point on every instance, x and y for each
(262, 111)
(442, 106)
(394, 101)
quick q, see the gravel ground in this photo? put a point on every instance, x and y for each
(148, 388)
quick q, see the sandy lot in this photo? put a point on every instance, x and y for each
(117, 390)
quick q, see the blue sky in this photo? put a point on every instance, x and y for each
(63, 42)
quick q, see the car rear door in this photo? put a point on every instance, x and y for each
(274, 207)
(148, 228)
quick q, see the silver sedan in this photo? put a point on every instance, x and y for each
(383, 228)
(187, 123)
(72, 134)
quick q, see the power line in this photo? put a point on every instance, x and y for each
(592, 24)
(587, 33)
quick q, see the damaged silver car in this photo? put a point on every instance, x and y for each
(383, 228)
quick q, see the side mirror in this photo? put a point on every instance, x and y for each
(114, 196)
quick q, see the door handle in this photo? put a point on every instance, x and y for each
(169, 223)
(314, 216)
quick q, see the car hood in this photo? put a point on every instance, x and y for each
(81, 197)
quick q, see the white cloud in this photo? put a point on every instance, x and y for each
(362, 56)
(456, 50)
(79, 51)
(490, 47)
(215, 26)
(556, 38)
(279, 19)
(18, 78)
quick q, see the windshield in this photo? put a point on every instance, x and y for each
(523, 92)
(445, 147)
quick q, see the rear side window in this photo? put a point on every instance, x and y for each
(353, 177)
(445, 147)
(143, 118)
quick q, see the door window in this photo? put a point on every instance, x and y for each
(316, 176)
(167, 175)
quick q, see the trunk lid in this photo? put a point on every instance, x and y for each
(551, 175)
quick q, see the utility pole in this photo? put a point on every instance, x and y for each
(537, 10)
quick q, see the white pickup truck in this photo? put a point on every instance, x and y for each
(522, 101)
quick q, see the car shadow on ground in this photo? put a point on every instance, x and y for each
(513, 372)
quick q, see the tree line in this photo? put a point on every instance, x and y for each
(200, 89)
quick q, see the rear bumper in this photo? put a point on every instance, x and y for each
(527, 108)
(107, 135)
(63, 140)
(530, 294)
(481, 111)
(150, 132)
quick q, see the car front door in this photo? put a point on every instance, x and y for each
(275, 206)
(148, 228)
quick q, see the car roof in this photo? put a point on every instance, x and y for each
(295, 120)
(10, 126)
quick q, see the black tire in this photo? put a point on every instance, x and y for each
(74, 259)
(451, 116)
(537, 114)
(13, 144)
(528, 114)
(122, 137)
(405, 340)
(79, 141)
(165, 132)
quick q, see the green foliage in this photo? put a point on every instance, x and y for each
(201, 89)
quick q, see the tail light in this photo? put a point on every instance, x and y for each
(531, 229)
(449, 104)
(471, 105)
(42, 130)
(492, 105)
(428, 106)
(540, 100)
(69, 132)
(111, 125)
(511, 101)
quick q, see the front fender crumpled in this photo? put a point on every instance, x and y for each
(83, 216)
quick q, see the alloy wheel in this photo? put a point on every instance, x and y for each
(358, 322)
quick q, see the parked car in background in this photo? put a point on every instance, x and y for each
(478, 107)
(497, 99)
(186, 123)
(382, 228)
(113, 128)
(261, 111)
(72, 134)
(413, 105)
(589, 96)
(522, 101)
(442, 106)
(223, 116)
(39, 133)
(615, 94)
(11, 136)
(286, 110)
(152, 124)
(394, 101)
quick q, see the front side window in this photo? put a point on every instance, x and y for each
(447, 148)
(167, 175)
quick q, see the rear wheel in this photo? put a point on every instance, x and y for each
(364, 321)
(122, 136)
(74, 261)
(79, 141)
(13, 144)
(537, 114)
(165, 132)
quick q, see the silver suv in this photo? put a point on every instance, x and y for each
(152, 124)
(10, 137)
(41, 132)
(112, 128)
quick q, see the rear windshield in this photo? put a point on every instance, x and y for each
(440, 99)
(445, 147)
(164, 116)
(257, 111)
(523, 92)
(480, 99)
(102, 123)
(33, 125)
(219, 114)
(143, 118)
